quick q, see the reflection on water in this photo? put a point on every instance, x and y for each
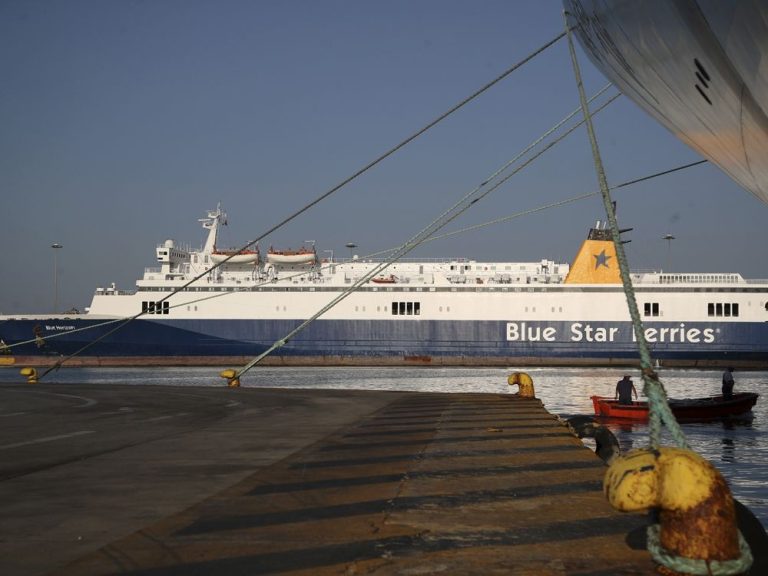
(728, 450)
(738, 447)
(626, 433)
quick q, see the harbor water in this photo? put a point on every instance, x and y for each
(737, 446)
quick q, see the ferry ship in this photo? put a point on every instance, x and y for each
(449, 312)
(696, 67)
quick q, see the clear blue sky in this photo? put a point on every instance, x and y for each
(122, 122)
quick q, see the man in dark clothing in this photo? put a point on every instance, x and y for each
(624, 390)
(727, 383)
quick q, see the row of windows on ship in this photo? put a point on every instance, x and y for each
(713, 309)
(413, 308)
(398, 308)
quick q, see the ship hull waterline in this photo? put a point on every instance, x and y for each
(379, 343)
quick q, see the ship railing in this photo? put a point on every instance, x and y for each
(180, 247)
(401, 260)
(756, 281)
(699, 278)
(153, 270)
(110, 292)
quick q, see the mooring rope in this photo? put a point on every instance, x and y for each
(543, 207)
(652, 387)
(697, 566)
(660, 412)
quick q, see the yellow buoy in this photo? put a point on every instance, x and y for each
(524, 381)
(30, 374)
(233, 381)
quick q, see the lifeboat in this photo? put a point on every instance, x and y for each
(237, 256)
(391, 279)
(300, 256)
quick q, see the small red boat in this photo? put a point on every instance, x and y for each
(684, 409)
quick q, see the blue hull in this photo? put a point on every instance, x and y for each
(369, 341)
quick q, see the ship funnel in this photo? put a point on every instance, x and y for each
(596, 261)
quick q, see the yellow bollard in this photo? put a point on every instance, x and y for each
(30, 374)
(697, 518)
(525, 383)
(233, 381)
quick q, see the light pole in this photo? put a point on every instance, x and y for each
(351, 246)
(669, 238)
(56, 246)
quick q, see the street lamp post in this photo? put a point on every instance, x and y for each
(56, 246)
(669, 238)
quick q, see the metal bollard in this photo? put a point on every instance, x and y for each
(233, 381)
(697, 519)
(30, 374)
(524, 381)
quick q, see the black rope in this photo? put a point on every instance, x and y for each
(557, 204)
(644, 178)
(409, 139)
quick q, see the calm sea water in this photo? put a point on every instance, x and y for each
(739, 448)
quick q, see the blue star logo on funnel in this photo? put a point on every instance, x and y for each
(601, 259)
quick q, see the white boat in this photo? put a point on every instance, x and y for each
(301, 256)
(235, 256)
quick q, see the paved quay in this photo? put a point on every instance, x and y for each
(193, 480)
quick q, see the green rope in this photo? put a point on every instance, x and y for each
(659, 408)
(660, 413)
(698, 566)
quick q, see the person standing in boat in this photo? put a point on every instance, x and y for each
(624, 390)
(728, 383)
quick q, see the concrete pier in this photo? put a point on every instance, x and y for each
(176, 480)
